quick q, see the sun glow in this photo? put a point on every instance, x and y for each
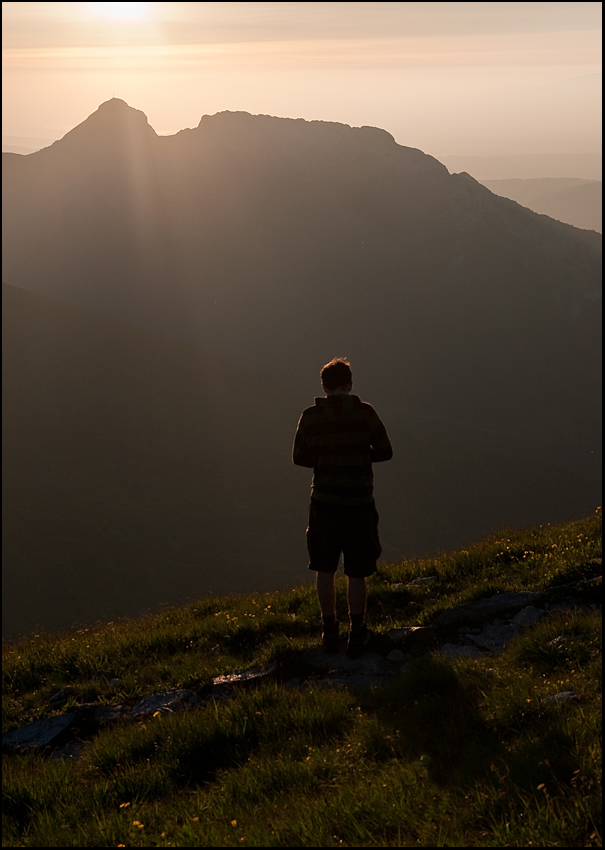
(122, 11)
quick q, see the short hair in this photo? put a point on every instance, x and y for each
(336, 373)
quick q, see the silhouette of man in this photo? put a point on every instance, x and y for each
(340, 437)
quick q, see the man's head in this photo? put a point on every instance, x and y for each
(336, 376)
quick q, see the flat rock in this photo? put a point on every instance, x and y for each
(39, 734)
(493, 637)
(421, 581)
(245, 677)
(484, 610)
(165, 703)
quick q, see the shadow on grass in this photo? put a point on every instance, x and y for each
(432, 715)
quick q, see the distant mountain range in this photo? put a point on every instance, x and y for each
(574, 201)
(214, 273)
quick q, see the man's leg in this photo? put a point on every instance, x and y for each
(358, 635)
(357, 596)
(326, 593)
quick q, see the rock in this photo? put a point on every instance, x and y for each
(72, 750)
(485, 610)
(564, 696)
(527, 617)
(164, 703)
(103, 674)
(454, 650)
(115, 682)
(48, 732)
(61, 696)
(421, 581)
(396, 655)
(107, 714)
(245, 677)
(494, 637)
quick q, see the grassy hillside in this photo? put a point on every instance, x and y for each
(466, 752)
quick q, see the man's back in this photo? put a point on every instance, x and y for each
(340, 437)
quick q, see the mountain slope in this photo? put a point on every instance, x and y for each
(577, 202)
(126, 480)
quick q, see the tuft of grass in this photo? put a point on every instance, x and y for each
(452, 753)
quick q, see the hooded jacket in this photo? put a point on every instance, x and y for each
(341, 437)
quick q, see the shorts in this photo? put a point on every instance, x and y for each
(351, 530)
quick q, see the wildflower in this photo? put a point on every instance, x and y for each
(123, 805)
(233, 823)
(138, 823)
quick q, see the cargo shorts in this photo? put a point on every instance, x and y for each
(336, 529)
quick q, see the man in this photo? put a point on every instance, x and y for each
(340, 437)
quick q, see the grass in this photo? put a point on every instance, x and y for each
(453, 753)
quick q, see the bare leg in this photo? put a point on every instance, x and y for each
(326, 593)
(357, 597)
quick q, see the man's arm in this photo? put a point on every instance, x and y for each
(301, 450)
(380, 445)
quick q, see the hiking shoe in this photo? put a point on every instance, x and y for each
(358, 642)
(329, 639)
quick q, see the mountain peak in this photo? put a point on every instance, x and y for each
(114, 121)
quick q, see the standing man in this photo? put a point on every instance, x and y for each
(340, 437)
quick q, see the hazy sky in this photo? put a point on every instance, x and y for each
(449, 78)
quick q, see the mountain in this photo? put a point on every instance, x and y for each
(574, 201)
(271, 245)
(126, 479)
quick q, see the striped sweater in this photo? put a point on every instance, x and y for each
(340, 437)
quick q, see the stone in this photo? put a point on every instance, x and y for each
(168, 702)
(103, 674)
(562, 697)
(493, 637)
(396, 655)
(421, 581)
(39, 734)
(107, 714)
(71, 751)
(245, 677)
(527, 617)
(485, 610)
(62, 695)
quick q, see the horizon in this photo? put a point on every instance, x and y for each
(488, 80)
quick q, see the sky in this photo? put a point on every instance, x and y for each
(453, 79)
